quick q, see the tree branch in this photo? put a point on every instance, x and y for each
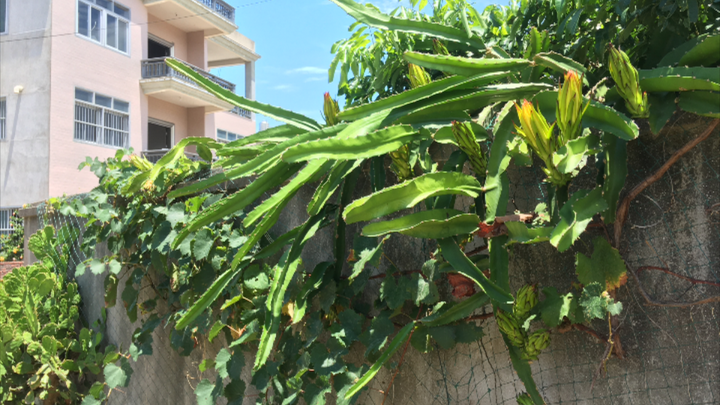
(624, 207)
(650, 301)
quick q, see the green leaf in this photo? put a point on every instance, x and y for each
(229, 205)
(207, 298)
(280, 285)
(457, 311)
(360, 147)
(140, 179)
(559, 63)
(520, 233)
(315, 395)
(394, 346)
(176, 214)
(703, 103)
(277, 134)
(432, 224)
(325, 363)
(409, 194)
(375, 337)
(96, 267)
(468, 333)
(575, 216)
(445, 134)
(497, 185)
(309, 173)
(393, 292)
(704, 53)
(616, 171)
(444, 336)
(464, 66)
(662, 108)
(417, 94)
(118, 376)
(374, 18)
(680, 79)
(523, 370)
(366, 251)
(204, 241)
(473, 99)
(215, 330)
(700, 51)
(592, 301)
(255, 278)
(279, 114)
(339, 171)
(605, 267)
(555, 307)
(460, 262)
(207, 393)
(573, 155)
(349, 328)
(597, 116)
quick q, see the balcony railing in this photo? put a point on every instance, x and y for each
(155, 68)
(154, 155)
(242, 112)
(221, 8)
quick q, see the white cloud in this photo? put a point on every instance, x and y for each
(307, 70)
(314, 79)
(283, 87)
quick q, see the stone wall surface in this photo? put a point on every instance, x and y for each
(672, 354)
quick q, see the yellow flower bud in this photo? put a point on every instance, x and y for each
(570, 107)
(418, 76)
(331, 110)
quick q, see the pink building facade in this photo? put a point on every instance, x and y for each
(84, 78)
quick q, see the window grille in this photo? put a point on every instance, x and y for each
(101, 120)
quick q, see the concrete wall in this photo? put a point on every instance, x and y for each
(672, 355)
(25, 61)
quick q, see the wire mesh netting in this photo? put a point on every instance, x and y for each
(671, 354)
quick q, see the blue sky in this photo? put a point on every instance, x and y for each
(294, 39)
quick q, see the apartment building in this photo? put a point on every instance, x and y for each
(86, 77)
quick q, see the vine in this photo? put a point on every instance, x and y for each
(190, 249)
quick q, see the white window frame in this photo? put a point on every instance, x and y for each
(7, 17)
(217, 136)
(3, 118)
(104, 13)
(5, 215)
(101, 126)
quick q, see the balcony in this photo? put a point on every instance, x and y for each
(242, 112)
(230, 50)
(154, 155)
(165, 83)
(214, 17)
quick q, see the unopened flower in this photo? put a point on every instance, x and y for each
(627, 83)
(570, 108)
(331, 110)
(418, 76)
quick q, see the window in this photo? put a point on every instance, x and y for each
(104, 22)
(5, 223)
(225, 136)
(3, 16)
(101, 119)
(3, 117)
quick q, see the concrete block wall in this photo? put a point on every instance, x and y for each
(672, 354)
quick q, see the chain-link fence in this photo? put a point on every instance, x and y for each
(671, 354)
